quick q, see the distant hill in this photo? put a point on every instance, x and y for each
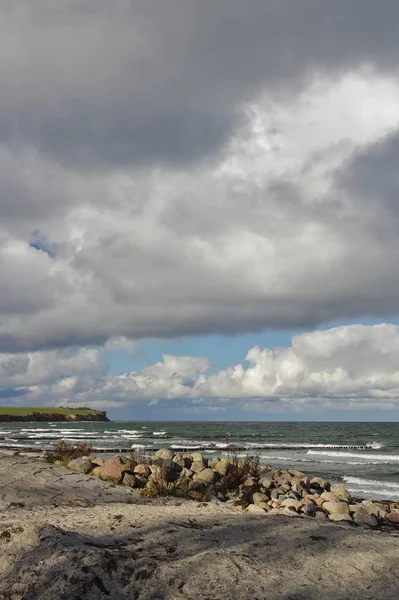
(44, 414)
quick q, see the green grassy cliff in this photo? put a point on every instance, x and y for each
(33, 413)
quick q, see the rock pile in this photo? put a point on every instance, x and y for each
(258, 489)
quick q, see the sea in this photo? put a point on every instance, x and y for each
(362, 456)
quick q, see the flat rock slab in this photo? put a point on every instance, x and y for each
(33, 482)
(181, 550)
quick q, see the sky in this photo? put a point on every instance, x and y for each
(199, 208)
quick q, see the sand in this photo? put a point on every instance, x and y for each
(66, 536)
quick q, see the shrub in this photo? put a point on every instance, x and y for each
(239, 469)
(64, 452)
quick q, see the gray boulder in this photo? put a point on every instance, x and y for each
(80, 465)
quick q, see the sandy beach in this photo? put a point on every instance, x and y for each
(69, 536)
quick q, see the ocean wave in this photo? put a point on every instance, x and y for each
(159, 433)
(392, 485)
(359, 455)
(375, 445)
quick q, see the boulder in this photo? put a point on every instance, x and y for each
(336, 508)
(340, 517)
(96, 472)
(340, 491)
(255, 509)
(143, 470)
(197, 466)
(290, 503)
(297, 488)
(309, 509)
(207, 475)
(111, 471)
(329, 497)
(259, 498)
(97, 460)
(80, 465)
(129, 480)
(164, 453)
(221, 465)
(180, 460)
(362, 517)
(197, 457)
(266, 483)
(393, 517)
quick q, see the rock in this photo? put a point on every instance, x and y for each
(207, 475)
(250, 482)
(197, 466)
(259, 498)
(329, 497)
(129, 480)
(98, 461)
(290, 503)
(340, 517)
(80, 465)
(197, 457)
(96, 472)
(362, 517)
(393, 517)
(221, 465)
(297, 488)
(319, 514)
(111, 471)
(297, 474)
(319, 485)
(142, 470)
(309, 509)
(340, 491)
(180, 460)
(164, 453)
(254, 509)
(336, 508)
(266, 483)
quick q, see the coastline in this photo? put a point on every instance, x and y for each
(65, 535)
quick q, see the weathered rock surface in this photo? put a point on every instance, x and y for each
(80, 465)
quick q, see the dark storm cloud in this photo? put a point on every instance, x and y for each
(95, 83)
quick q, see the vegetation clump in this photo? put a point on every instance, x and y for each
(64, 452)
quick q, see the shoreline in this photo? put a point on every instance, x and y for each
(69, 535)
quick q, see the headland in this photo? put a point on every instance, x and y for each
(9, 414)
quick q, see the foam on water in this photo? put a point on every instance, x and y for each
(360, 455)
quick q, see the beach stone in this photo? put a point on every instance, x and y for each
(393, 517)
(297, 488)
(319, 483)
(266, 483)
(259, 498)
(197, 457)
(295, 473)
(129, 480)
(329, 497)
(320, 515)
(336, 508)
(255, 509)
(142, 470)
(362, 517)
(164, 453)
(96, 472)
(111, 471)
(97, 460)
(340, 491)
(80, 465)
(290, 503)
(221, 465)
(309, 509)
(250, 482)
(197, 466)
(340, 517)
(180, 460)
(208, 475)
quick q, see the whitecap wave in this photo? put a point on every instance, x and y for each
(360, 455)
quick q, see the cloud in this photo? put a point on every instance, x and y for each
(342, 368)
(228, 170)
